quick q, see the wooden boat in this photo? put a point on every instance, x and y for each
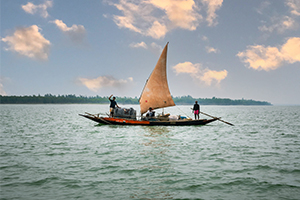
(151, 122)
(156, 94)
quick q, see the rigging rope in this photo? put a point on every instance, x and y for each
(183, 112)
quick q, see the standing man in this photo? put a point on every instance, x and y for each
(112, 106)
(196, 109)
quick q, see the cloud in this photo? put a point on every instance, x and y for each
(212, 7)
(157, 30)
(155, 18)
(182, 14)
(211, 50)
(28, 42)
(75, 32)
(263, 6)
(291, 50)
(269, 58)
(4, 81)
(280, 24)
(41, 8)
(197, 73)
(126, 22)
(103, 81)
(211, 75)
(294, 6)
(261, 58)
(2, 92)
(157, 49)
(186, 67)
(139, 45)
(204, 38)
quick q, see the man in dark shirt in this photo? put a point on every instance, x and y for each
(112, 106)
(196, 109)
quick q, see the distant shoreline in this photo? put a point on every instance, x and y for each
(73, 99)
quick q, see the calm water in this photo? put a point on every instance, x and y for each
(49, 152)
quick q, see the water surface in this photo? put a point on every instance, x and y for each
(49, 152)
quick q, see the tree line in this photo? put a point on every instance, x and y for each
(72, 99)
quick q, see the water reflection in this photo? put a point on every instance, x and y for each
(156, 142)
(156, 147)
(156, 137)
(156, 130)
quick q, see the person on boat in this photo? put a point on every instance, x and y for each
(150, 113)
(112, 106)
(196, 109)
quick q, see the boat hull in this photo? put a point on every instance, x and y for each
(129, 122)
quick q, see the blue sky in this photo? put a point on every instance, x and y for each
(228, 49)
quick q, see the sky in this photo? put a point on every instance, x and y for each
(225, 49)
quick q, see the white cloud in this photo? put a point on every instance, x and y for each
(209, 76)
(156, 48)
(103, 82)
(28, 42)
(294, 6)
(41, 8)
(181, 14)
(291, 50)
(197, 73)
(3, 80)
(263, 6)
(269, 58)
(187, 67)
(211, 50)
(261, 58)
(280, 24)
(126, 22)
(75, 32)
(204, 38)
(157, 30)
(139, 45)
(212, 7)
(155, 18)
(2, 92)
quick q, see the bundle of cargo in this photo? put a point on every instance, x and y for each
(128, 113)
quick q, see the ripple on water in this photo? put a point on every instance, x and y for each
(49, 152)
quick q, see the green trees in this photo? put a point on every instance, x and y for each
(188, 100)
(71, 98)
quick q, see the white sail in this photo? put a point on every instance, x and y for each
(156, 93)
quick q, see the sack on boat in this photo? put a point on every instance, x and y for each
(173, 117)
(128, 113)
